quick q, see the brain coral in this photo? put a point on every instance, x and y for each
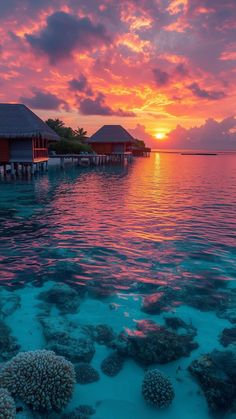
(7, 405)
(157, 389)
(41, 379)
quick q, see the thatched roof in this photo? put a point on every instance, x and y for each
(18, 121)
(111, 134)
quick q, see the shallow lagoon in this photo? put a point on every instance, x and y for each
(152, 240)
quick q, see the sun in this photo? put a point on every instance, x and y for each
(160, 136)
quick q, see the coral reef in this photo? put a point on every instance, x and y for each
(157, 389)
(9, 302)
(159, 301)
(65, 298)
(85, 373)
(53, 328)
(203, 295)
(7, 405)
(112, 364)
(41, 379)
(76, 350)
(152, 343)
(8, 344)
(102, 334)
(228, 336)
(216, 374)
(177, 323)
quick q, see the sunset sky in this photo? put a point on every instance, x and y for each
(163, 69)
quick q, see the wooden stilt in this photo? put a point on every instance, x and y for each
(12, 169)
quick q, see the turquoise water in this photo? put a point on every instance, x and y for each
(143, 242)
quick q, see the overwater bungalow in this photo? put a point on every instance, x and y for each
(24, 138)
(111, 139)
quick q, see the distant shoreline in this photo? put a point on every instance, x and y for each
(194, 152)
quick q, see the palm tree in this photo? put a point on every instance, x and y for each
(80, 135)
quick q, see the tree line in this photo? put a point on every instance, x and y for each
(72, 140)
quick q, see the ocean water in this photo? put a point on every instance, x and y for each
(128, 248)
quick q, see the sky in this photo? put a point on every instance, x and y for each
(160, 68)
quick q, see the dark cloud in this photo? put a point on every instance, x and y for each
(80, 85)
(43, 100)
(64, 33)
(97, 106)
(161, 77)
(205, 94)
(181, 70)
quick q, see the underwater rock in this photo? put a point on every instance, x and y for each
(41, 379)
(228, 313)
(157, 389)
(53, 328)
(80, 412)
(176, 323)
(202, 295)
(102, 333)
(204, 298)
(216, 374)
(159, 301)
(7, 405)
(65, 298)
(152, 343)
(228, 336)
(100, 291)
(85, 373)
(228, 310)
(8, 344)
(112, 364)
(76, 350)
(9, 303)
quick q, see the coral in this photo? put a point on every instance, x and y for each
(228, 336)
(216, 374)
(85, 373)
(152, 343)
(8, 345)
(157, 389)
(7, 405)
(159, 301)
(41, 379)
(65, 298)
(76, 350)
(54, 328)
(9, 302)
(101, 334)
(112, 365)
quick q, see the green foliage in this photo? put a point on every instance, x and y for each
(139, 143)
(69, 147)
(72, 141)
(80, 135)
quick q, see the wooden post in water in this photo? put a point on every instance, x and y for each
(62, 162)
(12, 169)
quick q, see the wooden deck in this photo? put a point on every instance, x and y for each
(94, 159)
(84, 160)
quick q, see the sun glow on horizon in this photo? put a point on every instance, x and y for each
(160, 135)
